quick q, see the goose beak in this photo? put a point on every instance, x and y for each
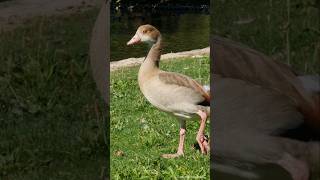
(135, 40)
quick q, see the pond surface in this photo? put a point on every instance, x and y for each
(180, 31)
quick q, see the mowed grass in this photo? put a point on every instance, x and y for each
(52, 118)
(140, 133)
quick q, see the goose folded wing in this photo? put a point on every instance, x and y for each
(184, 81)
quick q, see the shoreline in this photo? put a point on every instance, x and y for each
(131, 62)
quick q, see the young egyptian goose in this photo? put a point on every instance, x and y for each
(171, 92)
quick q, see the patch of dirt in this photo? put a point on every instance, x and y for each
(14, 12)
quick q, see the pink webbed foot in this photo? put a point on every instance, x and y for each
(201, 139)
(180, 147)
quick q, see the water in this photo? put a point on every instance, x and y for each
(181, 31)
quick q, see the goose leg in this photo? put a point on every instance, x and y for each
(203, 143)
(182, 134)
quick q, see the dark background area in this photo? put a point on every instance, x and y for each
(52, 118)
(285, 30)
(159, 2)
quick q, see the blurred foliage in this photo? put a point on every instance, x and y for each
(286, 30)
(117, 3)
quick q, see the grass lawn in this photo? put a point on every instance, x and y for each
(140, 133)
(51, 115)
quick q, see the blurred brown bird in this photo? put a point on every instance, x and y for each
(257, 107)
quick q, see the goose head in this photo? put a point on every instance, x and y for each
(145, 34)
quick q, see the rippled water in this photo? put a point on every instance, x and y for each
(180, 31)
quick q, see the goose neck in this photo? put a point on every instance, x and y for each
(151, 62)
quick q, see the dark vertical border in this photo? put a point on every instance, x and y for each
(275, 69)
(211, 90)
(99, 59)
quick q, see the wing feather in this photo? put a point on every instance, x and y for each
(185, 81)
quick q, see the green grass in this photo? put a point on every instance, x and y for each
(49, 125)
(271, 31)
(143, 133)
